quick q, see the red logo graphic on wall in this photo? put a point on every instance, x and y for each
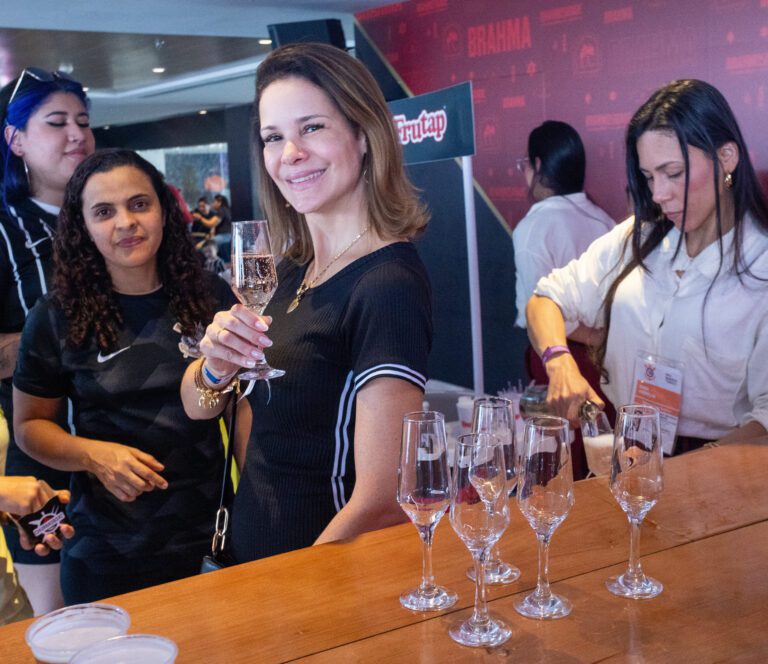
(588, 60)
(650, 372)
(452, 40)
(488, 134)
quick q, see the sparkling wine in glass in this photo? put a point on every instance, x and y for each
(496, 415)
(254, 279)
(545, 496)
(479, 515)
(424, 493)
(636, 483)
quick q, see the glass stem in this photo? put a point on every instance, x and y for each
(634, 575)
(543, 593)
(427, 576)
(480, 614)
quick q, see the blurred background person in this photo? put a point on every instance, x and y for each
(560, 225)
(685, 279)
(145, 477)
(46, 134)
(223, 235)
(351, 313)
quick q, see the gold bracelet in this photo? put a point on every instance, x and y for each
(210, 398)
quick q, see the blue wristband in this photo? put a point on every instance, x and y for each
(210, 376)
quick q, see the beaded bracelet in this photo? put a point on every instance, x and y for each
(210, 398)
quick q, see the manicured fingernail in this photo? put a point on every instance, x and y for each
(259, 355)
(264, 341)
(250, 363)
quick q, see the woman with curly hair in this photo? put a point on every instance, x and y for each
(126, 282)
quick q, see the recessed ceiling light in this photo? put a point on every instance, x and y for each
(203, 112)
(158, 70)
(265, 42)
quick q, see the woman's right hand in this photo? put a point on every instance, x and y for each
(234, 339)
(568, 389)
(125, 471)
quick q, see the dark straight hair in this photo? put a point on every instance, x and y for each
(560, 151)
(697, 115)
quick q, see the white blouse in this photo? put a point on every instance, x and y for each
(718, 330)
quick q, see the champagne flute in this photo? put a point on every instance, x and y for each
(254, 279)
(545, 496)
(636, 484)
(424, 493)
(479, 515)
(496, 415)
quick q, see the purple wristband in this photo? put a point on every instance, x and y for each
(549, 351)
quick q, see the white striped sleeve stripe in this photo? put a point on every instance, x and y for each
(394, 371)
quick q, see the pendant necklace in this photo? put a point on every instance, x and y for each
(304, 287)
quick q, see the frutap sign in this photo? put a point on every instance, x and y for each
(437, 125)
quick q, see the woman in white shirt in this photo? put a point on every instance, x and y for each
(685, 279)
(560, 225)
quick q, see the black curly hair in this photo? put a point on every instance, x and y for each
(82, 285)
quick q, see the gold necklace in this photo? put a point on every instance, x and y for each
(304, 287)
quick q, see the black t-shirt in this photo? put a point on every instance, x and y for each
(130, 396)
(225, 225)
(372, 319)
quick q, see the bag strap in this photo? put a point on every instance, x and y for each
(222, 514)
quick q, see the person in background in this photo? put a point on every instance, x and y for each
(212, 262)
(46, 134)
(205, 219)
(685, 279)
(560, 225)
(351, 313)
(126, 284)
(223, 235)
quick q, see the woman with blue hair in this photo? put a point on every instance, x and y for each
(46, 134)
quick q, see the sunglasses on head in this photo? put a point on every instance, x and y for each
(31, 75)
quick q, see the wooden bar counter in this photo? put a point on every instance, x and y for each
(706, 541)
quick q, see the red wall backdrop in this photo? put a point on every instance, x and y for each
(588, 63)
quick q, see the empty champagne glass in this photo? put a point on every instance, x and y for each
(254, 279)
(479, 515)
(636, 484)
(496, 415)
(424, 493)
(545, 496)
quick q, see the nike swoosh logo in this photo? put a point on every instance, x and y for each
(104, 358)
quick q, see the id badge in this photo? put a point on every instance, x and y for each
(658, 382)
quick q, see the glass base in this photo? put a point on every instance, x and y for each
(644, 589)
(497, 572)
(437, 599)
(468, 633)
(261, 372)
(551, 609)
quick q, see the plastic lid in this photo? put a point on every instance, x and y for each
(129, 649)
(57, 636)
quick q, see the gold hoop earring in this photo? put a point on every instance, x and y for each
(728, 181)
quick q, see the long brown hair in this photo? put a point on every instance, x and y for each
(82, 285)
(394, 208)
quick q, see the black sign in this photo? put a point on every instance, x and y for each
(437, 125)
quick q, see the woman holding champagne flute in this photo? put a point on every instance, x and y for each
(351, 316)
(685, 279)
